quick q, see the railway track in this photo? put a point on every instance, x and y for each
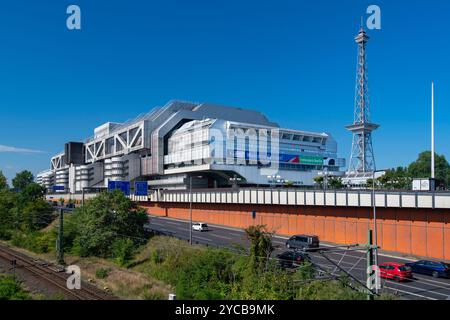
(52, 276)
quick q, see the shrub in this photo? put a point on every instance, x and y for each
(157, 256)
(207, 275)
(11, 289)
(38, 242)
(122, 251)
(102, 273)
(153, 295)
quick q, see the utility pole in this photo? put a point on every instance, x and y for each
(14, 265)
(370, 271)
(432, 130)
(375, 227)
(59, 246)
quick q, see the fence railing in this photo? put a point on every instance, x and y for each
(347, 198)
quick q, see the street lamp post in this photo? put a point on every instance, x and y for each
(375, 219)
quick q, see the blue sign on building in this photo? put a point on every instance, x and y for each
(111, 185)
(58, 188)
(123, 186)
(141, 188)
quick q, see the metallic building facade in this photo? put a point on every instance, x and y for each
(215, 146)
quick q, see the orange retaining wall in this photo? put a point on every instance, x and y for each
(421, 232)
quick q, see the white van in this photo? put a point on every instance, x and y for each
(199, 226)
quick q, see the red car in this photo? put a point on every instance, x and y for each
(395, 271)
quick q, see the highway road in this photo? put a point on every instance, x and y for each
(421, 287)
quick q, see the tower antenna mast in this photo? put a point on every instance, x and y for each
(362, 159)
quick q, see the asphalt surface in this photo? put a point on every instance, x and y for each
(420, 287)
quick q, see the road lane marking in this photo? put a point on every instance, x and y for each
(433, 286)
(421, 289)
(219, 236)
(173, 223)
(164, 230)
(157, 224)
(410, 293)
(201, 238)
(434, 281)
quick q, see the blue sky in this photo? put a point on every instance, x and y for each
(293, 60)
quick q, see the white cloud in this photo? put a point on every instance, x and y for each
(17, 150)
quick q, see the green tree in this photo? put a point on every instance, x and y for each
(421, 168)
(22, 179)
(288, 184)
(3, 181)
(394, 179)
(318, 180)
(335, 183)
(260, 247)
(36, 214)
(7, 219)
(105, 218)
(31, 192)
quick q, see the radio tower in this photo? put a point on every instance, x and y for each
(362, 159)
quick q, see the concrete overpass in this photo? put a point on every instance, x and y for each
(413, 223)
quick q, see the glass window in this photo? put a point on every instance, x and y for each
(404, 268)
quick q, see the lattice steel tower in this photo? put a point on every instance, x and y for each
(362, 158)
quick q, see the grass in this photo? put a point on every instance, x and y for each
(124, 283)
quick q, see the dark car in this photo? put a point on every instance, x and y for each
(290, 259)
(432, 268)
(303, 242)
